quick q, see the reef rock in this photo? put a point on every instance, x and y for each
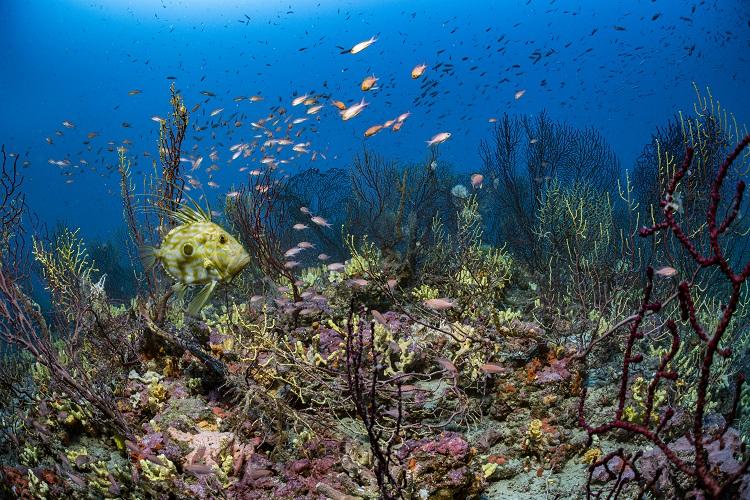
(442, 468)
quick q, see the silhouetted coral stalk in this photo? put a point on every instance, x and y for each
(164, 193)
(12, 208)
(257, 214)
(364, 395)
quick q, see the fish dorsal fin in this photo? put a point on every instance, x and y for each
(189, 212)
(188, 215)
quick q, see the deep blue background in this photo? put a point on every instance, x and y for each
(77, 60)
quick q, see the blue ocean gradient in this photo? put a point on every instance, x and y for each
(621, 67)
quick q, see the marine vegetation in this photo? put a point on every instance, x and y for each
(391, 336)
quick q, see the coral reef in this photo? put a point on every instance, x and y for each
(644, 422)
(430, 360)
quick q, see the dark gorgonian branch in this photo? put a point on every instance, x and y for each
(363, 377)
(23, 325)
(259, 216)
(12, 208)
(12, 199)
(695, 466)
(163, 194)
(170, 185)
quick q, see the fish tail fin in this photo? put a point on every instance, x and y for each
(149, 255)
(200, 300)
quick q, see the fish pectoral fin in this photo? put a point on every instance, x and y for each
(148, 255)
(200, 300)
(179, 290)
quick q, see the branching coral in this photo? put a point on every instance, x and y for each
(66, 269)
(460, 266)
(362, 379)
(523, 155)
(590, 258)
(164, 191)
(696, 466)
(12, 208)
(393, 205)
(169, 185)
(260, 217)
(712, 132)
(22, 324)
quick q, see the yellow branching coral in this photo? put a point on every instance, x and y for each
(366, 258)
(425, 292)
(585, 254)
(711, 121)
(639, 394)
(396, 353)
(460, 266)
(157, 394)
(66, 268)
(156, 472)
(575, 225)
(467, 354)
(591, 455)
(37, 487)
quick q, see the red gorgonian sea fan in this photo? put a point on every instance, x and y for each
(696, 466)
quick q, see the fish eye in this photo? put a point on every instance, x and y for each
(187, 249)
(222, 239)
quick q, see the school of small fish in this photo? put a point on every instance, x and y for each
(282, 132)
(278, 136)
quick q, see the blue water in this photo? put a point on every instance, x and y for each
(615, 66)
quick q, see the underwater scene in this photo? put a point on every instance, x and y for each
(374, 249)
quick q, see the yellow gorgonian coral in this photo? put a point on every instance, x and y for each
(425, 292)
(66, 267)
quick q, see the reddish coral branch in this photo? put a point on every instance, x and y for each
(697, 467)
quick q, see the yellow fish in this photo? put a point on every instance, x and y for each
(197, 252)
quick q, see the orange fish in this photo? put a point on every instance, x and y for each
(353, 110)
(439, 138)
(418, 71)
(373, 130)
(438, 304)
(299, 100)
(666, 272)
(367, 83)
(476, 180)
